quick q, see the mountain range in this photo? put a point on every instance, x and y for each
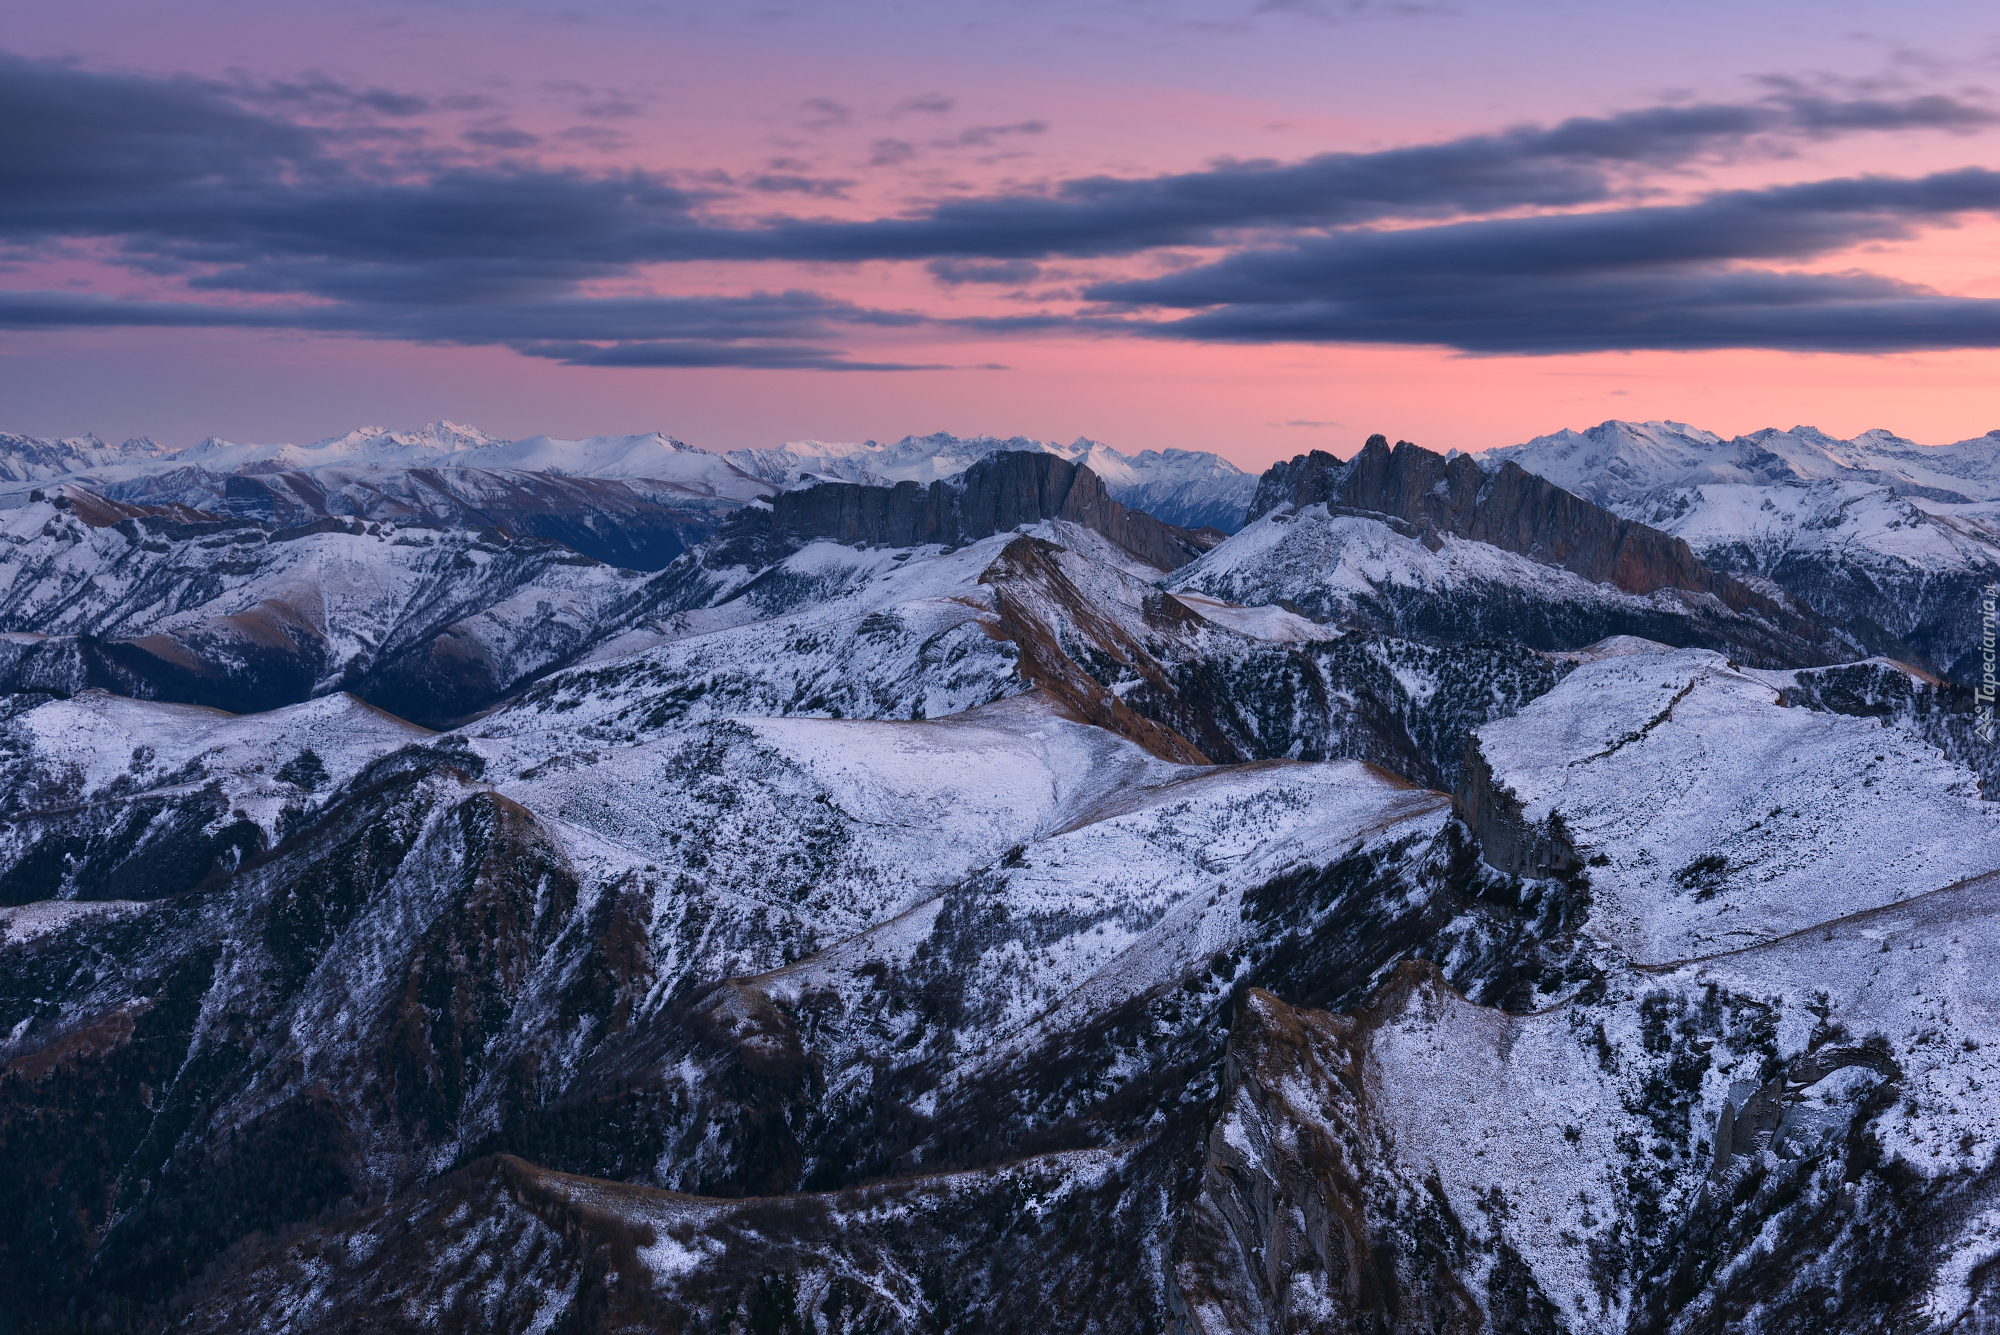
(948, 886)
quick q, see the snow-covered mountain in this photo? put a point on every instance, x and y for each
(1190, 488)
(1617, 461)
(652, 456)
(1447, 903)
(31, 459)
(1876, 528)
(634, 501)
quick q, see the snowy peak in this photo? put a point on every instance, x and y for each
(1616, 458)
(440, 438)
(28, 459)
(451, 445)
(1873, 531)
(1187, 488)
(1617, 461)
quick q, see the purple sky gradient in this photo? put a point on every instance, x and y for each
(513, 215)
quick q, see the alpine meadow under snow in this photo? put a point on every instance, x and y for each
(980, 884)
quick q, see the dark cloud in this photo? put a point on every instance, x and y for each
(1634, 278)
(693, 353)
(1817, 114)
(595, 137)
(71, 141)
(614, 106)
(983, 136)
(208, 184)
(75, 310)
(1008, 272)
(500, 136)
(320, 94)
(779, 183)
(754, 331)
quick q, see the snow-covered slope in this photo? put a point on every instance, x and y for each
(635, 501)
(1710, 816)
(1353, 569)
(428, 622)
(1876, 528)
(107, 797)
(994, 933)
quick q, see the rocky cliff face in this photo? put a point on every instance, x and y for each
(998, 493)
(1515, 511)
(1872, 531)
(1405, 540)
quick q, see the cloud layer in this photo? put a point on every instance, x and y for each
(309, 206)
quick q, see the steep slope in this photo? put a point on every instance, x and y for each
(437, 966)
(1707, 823)
(1775, 1125)
(833, 631)
(1030, 1063)
(115, 799)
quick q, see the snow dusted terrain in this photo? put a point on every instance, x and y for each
(1876, 527)
(1446, 904)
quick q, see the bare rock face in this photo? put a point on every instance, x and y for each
(998, 493)
(1515, 511)
(1285, 1237)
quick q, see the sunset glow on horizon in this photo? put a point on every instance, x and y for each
(1255, 229)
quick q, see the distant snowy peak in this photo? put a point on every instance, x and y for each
(28, 459)
(911, 459)
(1875, 530)
(1619, 461)
(450, 445)
(1190, 488)
(655, 464)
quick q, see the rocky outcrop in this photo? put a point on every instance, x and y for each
(1000, 492)
(1290, 1231)
(1515, 511)
(1508, 841)
(1041, 606)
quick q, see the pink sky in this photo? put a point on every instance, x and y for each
(1130, 91)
